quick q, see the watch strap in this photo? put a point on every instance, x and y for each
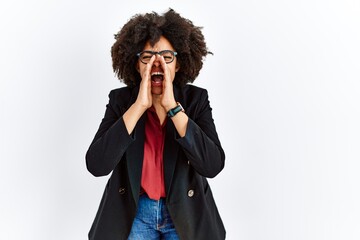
(172, 112)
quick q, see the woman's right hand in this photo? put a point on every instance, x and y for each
(144, 97)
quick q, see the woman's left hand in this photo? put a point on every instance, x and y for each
(167, 98)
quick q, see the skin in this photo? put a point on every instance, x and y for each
(159, 95)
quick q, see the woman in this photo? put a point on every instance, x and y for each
(157, 137)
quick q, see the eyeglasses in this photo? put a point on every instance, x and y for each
(168, 55)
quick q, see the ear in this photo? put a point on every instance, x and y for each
(137, 67)
(177, 67)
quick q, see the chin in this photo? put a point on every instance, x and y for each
(156, 91)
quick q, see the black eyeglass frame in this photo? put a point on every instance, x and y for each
(160, 53)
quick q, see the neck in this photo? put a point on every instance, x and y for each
(160, 111)
(156, 99)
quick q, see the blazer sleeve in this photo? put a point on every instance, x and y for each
(110, 141)
(201, 143)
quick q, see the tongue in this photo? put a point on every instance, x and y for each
(157, 78)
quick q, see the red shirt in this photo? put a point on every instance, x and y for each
(152, 178)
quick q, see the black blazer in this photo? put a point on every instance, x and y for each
(188, 161)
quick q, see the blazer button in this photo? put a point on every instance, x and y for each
(121, 190)
(188, 162)
(190, 193)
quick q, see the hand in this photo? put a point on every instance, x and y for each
(167, 98)
(144, 97)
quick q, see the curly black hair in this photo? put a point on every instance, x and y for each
(186, 39)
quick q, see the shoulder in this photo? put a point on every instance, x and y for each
(123, 91)
(122, 94)
(193, 92)
(189, 88)
(121, 97)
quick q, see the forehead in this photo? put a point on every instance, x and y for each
(162, 44)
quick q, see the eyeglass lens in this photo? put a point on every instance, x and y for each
(167, 54)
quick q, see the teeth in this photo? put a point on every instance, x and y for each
(157, 73)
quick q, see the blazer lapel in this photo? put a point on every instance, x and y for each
(135, 157)
(171, 147)
(135, 152)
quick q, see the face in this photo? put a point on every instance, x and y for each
(156, 72)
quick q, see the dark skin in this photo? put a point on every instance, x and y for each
(157, 94)
(186, 38)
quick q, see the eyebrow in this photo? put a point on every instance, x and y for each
(150, 51)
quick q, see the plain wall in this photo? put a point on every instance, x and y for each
(283, 83)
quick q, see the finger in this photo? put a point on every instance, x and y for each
(163, 63)
(150, 64)
(146, 72)
(165, 68)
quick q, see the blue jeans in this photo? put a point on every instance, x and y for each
(152, 221)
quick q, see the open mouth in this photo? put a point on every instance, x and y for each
(157, 76)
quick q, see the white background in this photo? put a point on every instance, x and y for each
(284, 84)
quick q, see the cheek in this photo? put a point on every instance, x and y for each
(173, 73)
(141, 68)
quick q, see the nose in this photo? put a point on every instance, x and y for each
(157, 60)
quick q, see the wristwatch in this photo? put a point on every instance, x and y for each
(172, 112)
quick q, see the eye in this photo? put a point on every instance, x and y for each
(168, 55)
(145, 56)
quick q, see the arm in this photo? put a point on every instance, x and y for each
(116, 133)
(201, 144)
(110, 142)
